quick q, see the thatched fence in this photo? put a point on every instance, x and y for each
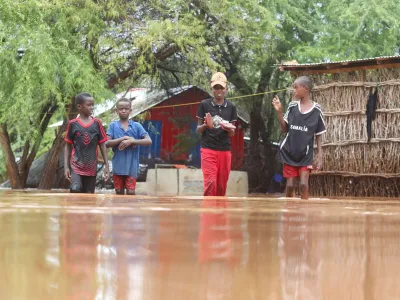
(353, 166)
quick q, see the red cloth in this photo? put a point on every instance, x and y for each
(292, 171)
(124, 182)
(214, 236)
(216, 166)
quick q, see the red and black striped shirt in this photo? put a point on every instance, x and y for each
(84, 139)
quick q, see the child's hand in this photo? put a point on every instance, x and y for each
(67, 174)
(227, 126)
(208, 120)
(277, 104)
(318, 163)
(106, 173)
(126, 143)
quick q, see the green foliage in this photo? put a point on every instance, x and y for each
(47, 55)
(71, 46)
(47, 140)
(54, 64)
(353, 30)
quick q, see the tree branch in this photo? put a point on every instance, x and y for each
(11, 165)
(42, 129)
(161, 55)
(25, 153)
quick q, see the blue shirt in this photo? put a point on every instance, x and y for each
(126, 162)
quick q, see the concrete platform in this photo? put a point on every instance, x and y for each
(187, 182)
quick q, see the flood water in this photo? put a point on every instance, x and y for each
(63, 246)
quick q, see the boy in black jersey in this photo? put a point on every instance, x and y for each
(83, 136)
(215, 117)
(302, 121)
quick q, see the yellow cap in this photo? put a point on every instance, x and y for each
(218, 78)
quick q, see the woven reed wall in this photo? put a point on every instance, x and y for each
(353, 167)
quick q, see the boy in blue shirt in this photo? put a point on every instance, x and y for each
(124, 136)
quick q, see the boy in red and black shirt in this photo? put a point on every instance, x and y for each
(83, 136)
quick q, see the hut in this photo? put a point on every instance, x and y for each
(170, 119)
(355, 165)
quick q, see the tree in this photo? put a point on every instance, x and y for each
(353, 30)
(55, 48)
(169, 43)
(73, 45)
(109, 45)
(41, 67)
(246, 39)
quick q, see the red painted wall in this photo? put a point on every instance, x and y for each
(170, 129)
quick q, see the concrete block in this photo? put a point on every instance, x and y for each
(238, 184)
(142, 188)
(167, 182)
(190, 182)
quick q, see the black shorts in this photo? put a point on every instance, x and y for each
(82, 184)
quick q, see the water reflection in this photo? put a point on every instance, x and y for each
(79, 240)
(220, 249)
(25, 256)
(109, 247)
(300, 265)
(124, 252)
(215, 241)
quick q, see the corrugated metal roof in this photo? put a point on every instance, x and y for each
(142, 100)
(340, 62)
(152, 98)
(139, 94)
(343, 65)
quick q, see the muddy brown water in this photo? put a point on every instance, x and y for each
(63, 246)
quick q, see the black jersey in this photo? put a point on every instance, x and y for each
(216, 138)
(297, 149)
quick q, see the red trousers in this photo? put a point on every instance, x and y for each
(216, 166)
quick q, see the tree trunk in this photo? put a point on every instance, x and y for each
(51, 165)
(261, 157)
(29, 152)
(270, 159)
(11, 165)
(256, 160)
(23, 165)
